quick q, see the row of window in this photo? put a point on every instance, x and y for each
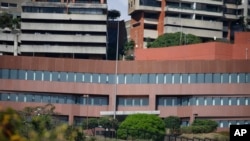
(227, 123)
(54, 98)
(177, 78)
(133, 101)
(95, 11)
(203, 101)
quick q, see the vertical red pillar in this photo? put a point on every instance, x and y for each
(160, 26)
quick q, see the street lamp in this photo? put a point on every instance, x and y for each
(116, 67)
(86, 102)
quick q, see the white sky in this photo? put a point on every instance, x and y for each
(120, 5)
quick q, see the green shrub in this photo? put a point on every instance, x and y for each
(187, 130)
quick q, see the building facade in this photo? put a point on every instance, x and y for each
(13, 7)
(58, 28)
(212, 89)
(216, 18)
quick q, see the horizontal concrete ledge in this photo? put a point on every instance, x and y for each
(108, 113)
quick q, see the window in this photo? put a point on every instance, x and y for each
(144, 78)
(177, 78)
(128, 78)
(208, 78)
(71, 77)
(13, 74)
(79, 77)
(242, 78)
(225, 78)
(103, 78)
(136, 78)
(38, 75)
(5, 74)
(184, 78)
(111, 79)
(30, 75)
(192, 78)
(152, 78)
(47, 76)
(63, 76)
(95, 78)
(4, 5)
(200, 78)
(160, 78)
(216, 78)
(87, 77)
(233, 78)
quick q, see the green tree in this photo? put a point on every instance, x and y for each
(173, 123)
(142, 126)
(5, 20)
(204, 126)
(174, 39)
(128, 50)
(113, 14)
(91, 123)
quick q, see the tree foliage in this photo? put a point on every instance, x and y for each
(173, 123)
(6, 20)
(128, 50)
(142, 126)
(31, 125)
(174, 39)
(113, 14)
(201, 126)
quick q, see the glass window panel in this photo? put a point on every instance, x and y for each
(248, 78)
(175, 101)
(96, 101)
(144, 78)
(242, 100)
(233, 78)
(5, 74)
(38, 75)
(121, 78)
(129, 78)
(30, 75)
(145, 101)
(87, 77)
(209, 101)
(192, 100)
(38, 98)
(136, 101)
(136, 78)
(216, 78)
(111, 79)
(160, 78)
(20, 97)
(21, 74)
(46, 99)
(234, 101)
(184, 101)
(103, 78)
(216, 100)
(55, 76)
(61, 99)
(161, 101)
(242, 78)
(121, 101)
(201, 100)
(0, 73)
(79, 77)
(70, 100)
(95, 78)
(184, 78)
(225, 78)
(200, 78)
(129, 101)
(152, 78)
(104, 101)
(71, 77)
(13, 74)
(5, 96)
(63, 76)
(192, 78)
(169, 101)
(225, 100)
(168, 78)
(13, 97)
(46, 76)
(177, 78)
(30, 98)
(54, 99)
(208, 78)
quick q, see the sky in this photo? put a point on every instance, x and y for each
(120, 5)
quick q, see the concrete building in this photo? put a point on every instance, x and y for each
(215, 18)
(191, 89)
(12, 7)
(58, 28)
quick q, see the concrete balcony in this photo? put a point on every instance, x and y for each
(194, 23)
(6, 48)
(63, 38)
(150, 33)
(148, 8)
(63, 27)
(150, 21)
(63, 49)
(214, 2)
(56, 16)
(193, 11)
(231, 16)
(7, 37)
(198, 32)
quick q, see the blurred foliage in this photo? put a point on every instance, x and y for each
(201, 126)
(36, 124)
(6, 20)
(173, 123)
(174, 39)
(142, 126)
